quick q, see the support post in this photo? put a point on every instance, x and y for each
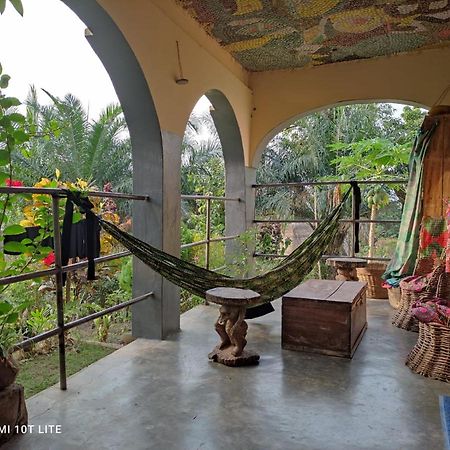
(208, 232)
(353, 239)
(59, 293)
(157, 222)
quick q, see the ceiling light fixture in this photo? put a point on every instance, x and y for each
(180, 80)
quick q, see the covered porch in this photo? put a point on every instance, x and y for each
(161, 391)
(166, 394)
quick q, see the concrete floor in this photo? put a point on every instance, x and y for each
(167, 395)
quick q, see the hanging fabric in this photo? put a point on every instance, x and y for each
(405, 255)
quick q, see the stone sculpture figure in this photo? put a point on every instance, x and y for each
(231, 326)
(232, 329)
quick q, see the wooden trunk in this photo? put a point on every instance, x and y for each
(324, 316)
(436, 169)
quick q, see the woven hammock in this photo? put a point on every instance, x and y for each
(197, 280)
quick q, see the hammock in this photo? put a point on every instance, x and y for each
(197, 280)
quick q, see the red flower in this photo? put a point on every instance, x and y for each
(13, 183)
(49, 259)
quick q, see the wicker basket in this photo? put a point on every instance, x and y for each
(403, 318)
(371, 274)
(430, 356)
(394, 297)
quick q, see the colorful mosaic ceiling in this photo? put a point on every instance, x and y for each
(282, 34)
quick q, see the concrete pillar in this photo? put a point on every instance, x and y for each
(157, 221)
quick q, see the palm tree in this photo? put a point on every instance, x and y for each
(202, 166)
(98, 151)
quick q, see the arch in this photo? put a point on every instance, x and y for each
(272, 133)
(159, 317)
(229, 133)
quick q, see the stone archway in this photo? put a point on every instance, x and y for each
(272, 133)
(159, 316)
(233, 153)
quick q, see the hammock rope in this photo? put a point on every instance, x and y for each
(197, 280)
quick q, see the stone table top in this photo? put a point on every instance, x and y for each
(346, 262)
(233, 296)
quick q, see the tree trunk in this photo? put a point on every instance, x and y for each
(373, 216)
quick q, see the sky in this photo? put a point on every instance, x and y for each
(46, 47)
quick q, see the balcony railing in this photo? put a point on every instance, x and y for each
(59, 270)
(208, 239)
(353, 220)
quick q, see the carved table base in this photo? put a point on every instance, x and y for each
(231, 326)
(346, 267)
(247, 358)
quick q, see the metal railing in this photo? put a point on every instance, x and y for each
(208, 239)
(59, 270)
(353, 220)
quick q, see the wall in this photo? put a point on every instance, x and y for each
(280, 96)
(152, 29)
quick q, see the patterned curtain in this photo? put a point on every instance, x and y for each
(404, 259)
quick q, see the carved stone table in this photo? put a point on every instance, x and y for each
(231, 325)
(346, 267)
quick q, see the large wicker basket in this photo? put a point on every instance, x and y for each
(394, 295)
(371, 274)
(430, 356)
(403, 318)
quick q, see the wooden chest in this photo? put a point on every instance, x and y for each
(324, 316)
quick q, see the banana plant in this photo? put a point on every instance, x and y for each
(372, 160)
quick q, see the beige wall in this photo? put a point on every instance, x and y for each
(279, 96)
(263, 102)
(152, 28)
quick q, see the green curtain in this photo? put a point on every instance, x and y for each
(404, 259)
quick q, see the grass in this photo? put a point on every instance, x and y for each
(42, 371)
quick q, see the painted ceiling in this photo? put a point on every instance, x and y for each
(283, 34)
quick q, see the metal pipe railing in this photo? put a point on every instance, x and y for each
(27, 343)
(353, 221)
(216, 239)
(208, 240)
(318, 221)
(276, 255)
(49, 272)
(58, 271)
(325, 183)
(209, 197)
(61, 192)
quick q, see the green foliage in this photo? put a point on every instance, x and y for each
(126, 276)
(41, 319)
(9, 333)
(301, 152)
(17, 4)
(370, 159)
(102, 325)
(98, 151)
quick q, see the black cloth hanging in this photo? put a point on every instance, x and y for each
(83, 238)
(357, 206)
